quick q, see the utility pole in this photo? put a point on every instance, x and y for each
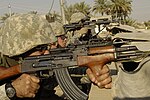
(62, 11)
(9, 8)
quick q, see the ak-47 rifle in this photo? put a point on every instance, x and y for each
(88, 54)
(87, 23)
(95, 26)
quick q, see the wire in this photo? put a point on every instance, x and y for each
(51, 6)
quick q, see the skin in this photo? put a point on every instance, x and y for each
(100, 73)
(53, 45)
(27, 85)
(62, 42)
(102, 80)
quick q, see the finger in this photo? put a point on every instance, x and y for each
(105, 82)
(105, 69)
(30, 95)
(90, 75)
(32, 86)
(96, 69)
(35, 86)
(35, 79)
(108, 86)
(102, 77)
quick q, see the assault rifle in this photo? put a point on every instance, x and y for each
(87, 54)
(86, 23)
(92, 25)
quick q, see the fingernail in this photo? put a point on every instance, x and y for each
(106, 86)
(99, 84)
(96, 81)
(93, 79)
(97, 74)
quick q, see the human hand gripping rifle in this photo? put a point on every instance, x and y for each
(59, 60)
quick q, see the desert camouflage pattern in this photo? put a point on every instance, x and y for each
(22, 32)
(76, 17)
(3, 95)
(133, 86)
(74, 36)
(0, 39)
(57, 28)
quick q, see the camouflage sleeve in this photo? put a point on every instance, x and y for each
(3, 95)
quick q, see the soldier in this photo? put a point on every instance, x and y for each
(49, 85)
(23, 35)
(57, 27)
(61, 42)
(73, 36)
(132, 82)
(133, 79)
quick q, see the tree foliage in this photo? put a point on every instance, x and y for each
(118, 9)
(5, 16)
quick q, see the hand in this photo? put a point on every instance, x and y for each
(26, 86)
(102, 77)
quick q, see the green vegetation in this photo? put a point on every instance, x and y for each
(117, 9)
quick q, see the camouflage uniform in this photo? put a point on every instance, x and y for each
(57, 28)
(3, 95)
(132, 83)
(19, 34)
(73, 36)
(76, 17)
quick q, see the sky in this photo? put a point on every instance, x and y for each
(140, 7)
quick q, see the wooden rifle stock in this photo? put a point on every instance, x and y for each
(9, 72)
(100, 50)
(91, 61)
(105, 54)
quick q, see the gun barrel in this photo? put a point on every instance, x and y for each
(126, 48)
(121, 55)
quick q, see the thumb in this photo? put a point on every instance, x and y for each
(96, 69)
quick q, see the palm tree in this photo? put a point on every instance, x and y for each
(69, 10)
(126, 8)
(100, 6)
(6, 15)
(82, 7)
(33, 12)
(77, 7)
(130, 22)
(147, 24)
(121, 8)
